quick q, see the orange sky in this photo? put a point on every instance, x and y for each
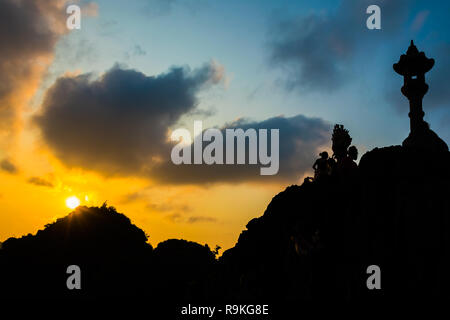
(214, 214)
(34, 194)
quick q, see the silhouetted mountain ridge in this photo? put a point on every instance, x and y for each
(317, 240)
(114, 257)
(83, 229)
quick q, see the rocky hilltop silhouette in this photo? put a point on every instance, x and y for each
(317, 240)
(313, 242)
(393, 210)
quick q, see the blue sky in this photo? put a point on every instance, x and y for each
(152, 36)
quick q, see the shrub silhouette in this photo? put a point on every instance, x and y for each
(183, 270)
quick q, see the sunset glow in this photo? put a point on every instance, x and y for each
(86, 115)
(72, 202)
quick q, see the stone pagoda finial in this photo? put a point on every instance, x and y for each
(412, 66)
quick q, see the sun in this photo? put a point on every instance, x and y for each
(72, 202)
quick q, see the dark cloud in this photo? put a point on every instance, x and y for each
(37, 181)
(167, 207)
(118, 124)
(131, 197)
(317, 51)
(175, 217)
(180, 218)
(8, 166)
(439, 94)
(203, 113)
(29, 31)
(299, 140)
(196, 219)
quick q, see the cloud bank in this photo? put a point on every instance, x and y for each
(25, 52)
(317, 51)
(118, 123)
(37, 181)
(299, 141)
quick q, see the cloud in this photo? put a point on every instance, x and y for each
(203, 113)
(317, 51)
(89, 9)
(37, 181)
(196, 219)
(180, 218)
(8, 166)
(175, 217)
(300, 138)
(138, 51)
(29, 31)
(118, 123)
(167, 207)
(132, 197)
(438, 95)
(419, 20)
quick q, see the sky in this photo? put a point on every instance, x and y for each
(88, 112)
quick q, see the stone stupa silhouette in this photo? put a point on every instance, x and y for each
(412, 66)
